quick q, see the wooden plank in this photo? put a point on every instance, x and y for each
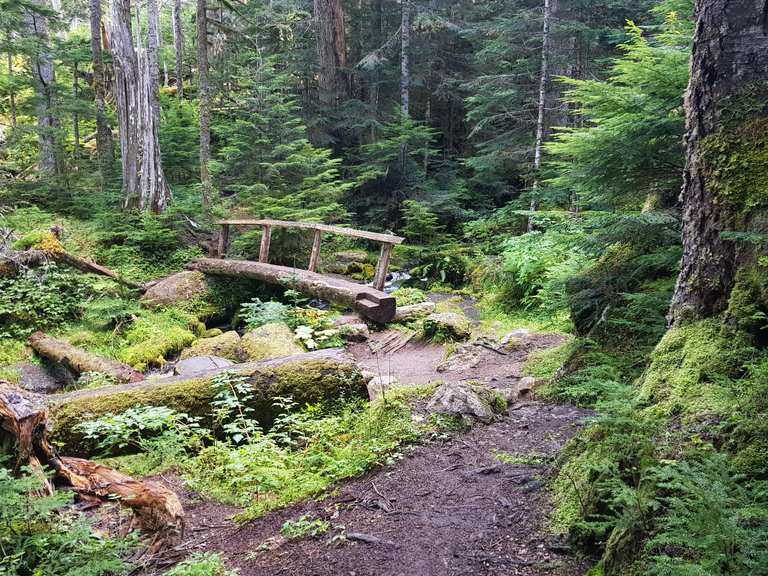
(314, 258)
(266, 239)
(352, 232)
(369, 302)
(382, 266)
(221, 251)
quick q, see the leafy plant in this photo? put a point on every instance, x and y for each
(232, 409)
(202, 564)
(304, 527)
(256, 313)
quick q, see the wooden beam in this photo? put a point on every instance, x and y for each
(266, 239)
(314, 258)
(352, 232)
(221, 252)
(382, 266)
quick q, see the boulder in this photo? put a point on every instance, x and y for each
(413, 311)
(379, 385)
(354, 332)
(350, 256)
(176, 289)
(447, 326)
(274, 340)
(471, 402)
(226, 345)
(199, 364)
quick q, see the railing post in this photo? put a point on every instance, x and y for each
(266, 238)
(382, 266)
(221, 251)
(314, 258)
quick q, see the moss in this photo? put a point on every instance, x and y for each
(39, 240)
(156, 335)
(692, 369)
(226, 345)
(545, 363)
(446, 327)
(736, 160)
(274, 340)
(361, 271)
(748, 304)
(306, 381)
(409, 296)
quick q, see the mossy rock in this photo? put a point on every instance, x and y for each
(361, 271)
(314, 377)
(274, 340)
(156, 348)
(446, 327)
(350, 256)
(226, 345)
(177, 289)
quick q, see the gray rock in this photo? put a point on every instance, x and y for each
(468, 401)
(413, 311)
(199, 364)
(447, 326)
(177, 288)
(379, 385)
(36, 378)
(355, 332)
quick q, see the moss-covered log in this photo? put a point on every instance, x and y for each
(77, 360)
(307, 378)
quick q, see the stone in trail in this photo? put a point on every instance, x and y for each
(199, 365)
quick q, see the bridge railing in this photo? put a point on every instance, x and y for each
(387, 241)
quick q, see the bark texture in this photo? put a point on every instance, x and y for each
(729, 50)
(204, 103)
(331, 51)
(137, 77)
(24, 425)
(405, 62)
(79, 361)
(178, 46)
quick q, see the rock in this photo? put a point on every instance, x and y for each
(212, 332)
(348, 319)
(199, 364)
(521, 390)
(177, 288)
(446, 326)
(515, 337)
(413, 311)
(350, 256)
(38, 379)
(354, 332)
(379, 385)
(275, 340)
(468, 401)
(226, 345)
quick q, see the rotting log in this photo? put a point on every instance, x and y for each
(77, 361)
(374, 304)
(310, 377)
(91, 267)
(23, 431)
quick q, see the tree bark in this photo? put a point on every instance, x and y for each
(78, 361)
(729, 49)
(75, 115)
(405, 61)
(331, 51)
(541, 111)
(178, 46)
(204, 105)
(43, 79)
(12, 96)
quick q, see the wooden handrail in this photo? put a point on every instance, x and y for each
(374, 236)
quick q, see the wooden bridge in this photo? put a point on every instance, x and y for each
(370, 301)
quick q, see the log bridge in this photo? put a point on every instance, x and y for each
(369, 301)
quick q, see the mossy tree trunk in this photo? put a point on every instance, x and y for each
(728, 63)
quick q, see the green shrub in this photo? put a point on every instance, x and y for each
(202, 564)
(447, 266)
(41, 535)
(304, 527)
(407, 296)
(256, 313)
(40, 299)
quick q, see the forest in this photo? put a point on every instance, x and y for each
(383, 287)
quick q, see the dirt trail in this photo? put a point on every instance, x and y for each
(448, 508)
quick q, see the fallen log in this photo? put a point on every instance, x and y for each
(23, 429)
(308, 378)
(77, 360)
(372, 303)
(88, 266)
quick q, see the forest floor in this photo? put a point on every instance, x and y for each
(472, 503)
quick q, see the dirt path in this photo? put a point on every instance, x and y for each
(448, 508)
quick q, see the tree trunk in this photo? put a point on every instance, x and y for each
(75, 115)
(126, 98)
(43, 79)
(104, 148)
(137, 96)
(331, 51)
(541, 113)
(405, 64)
(178, 46)
(728, 58)
(204, 104)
